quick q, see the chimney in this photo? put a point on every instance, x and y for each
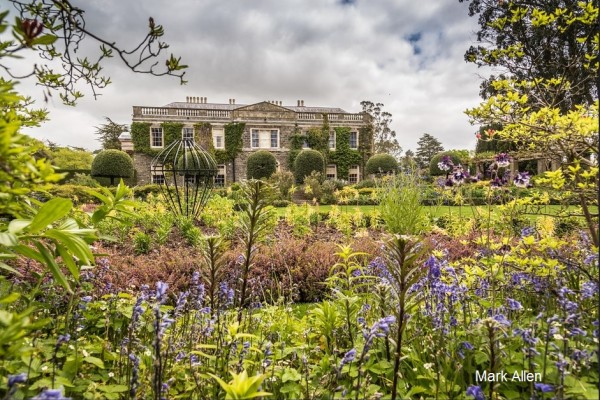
(301, 103)
(232, 101)
(204, 100)
(298, 103)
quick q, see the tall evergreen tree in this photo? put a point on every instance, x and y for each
(109, 134)
(428, 147)
(384, 137)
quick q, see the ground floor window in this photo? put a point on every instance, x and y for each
(157, 175)
(220, 177)
(331, 172)
(353, 174)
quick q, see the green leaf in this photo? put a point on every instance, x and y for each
(8, 268)
(8, 239)
(17, 225)
(95, 361)
(50, 212)
(53, 266)
(45, 40)
(113, 388)
(68, 260)
(290, 374)
(11, 298)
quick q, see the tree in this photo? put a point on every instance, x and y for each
(109, 134)
(112, 164)
(261, 164)
(547, 95)
(539, 41)
(407, 162)
(56, 30)
(67, 158)
(381, 164)
(384, 138)
(428, 146)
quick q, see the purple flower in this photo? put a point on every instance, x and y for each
(459, 176)
(502, 160)
(225, 295)
(134, 383)
(63, 339)
(14, 379)
(513, 304)
(445, 163)
(86, 299)
(501, 319)
(476, 392)
(529, 231)
(50, 394)
(543, 387)
(433, 266)
(348, 358)
(522, 179)
(588, 290)
(181, 302)
(496, 183)
(161, 290)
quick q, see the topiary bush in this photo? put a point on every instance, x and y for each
(381, 164)
(434, 170)
(112, 164)
(306, 162)
(261, 164)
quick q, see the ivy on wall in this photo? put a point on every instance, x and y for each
(140, 135)
(296, 143)
(233, 139)
(365, 146)
(344, 157)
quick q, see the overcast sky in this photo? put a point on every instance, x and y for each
(405, 54)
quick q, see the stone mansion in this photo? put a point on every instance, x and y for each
(267, 125)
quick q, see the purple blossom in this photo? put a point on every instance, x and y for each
(225, 295)
(63, 339)
(49, 394)
(14, 379)
(445, 163)
(135, 377)
(513, 304)
(348, 358)
(86, 299)
(522, 179)
(502, 160)
(528, 231)
(459, 176)
(501, 319)
(161, 290)
(496, 183)
(543, 387)
(476, 392)
(181, 302)
(588, 290)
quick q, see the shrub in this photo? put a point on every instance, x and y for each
(381, 164)
(312, 185)
(112, 164)
(78, 194)
(261, 164)
(306, 162)
(283, 181)
(141, 243)
(365, 183)
(434, 170)
(83, 179)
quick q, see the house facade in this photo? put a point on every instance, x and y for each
(231, 132)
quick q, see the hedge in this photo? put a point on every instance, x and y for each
(381, 164)
(261, 164)
(112, 164)
(306, 162)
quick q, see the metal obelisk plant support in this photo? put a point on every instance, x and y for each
(189, 173)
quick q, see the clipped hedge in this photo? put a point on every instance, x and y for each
(112, 164)
(381, 164)
(306, 162)
(261, 164)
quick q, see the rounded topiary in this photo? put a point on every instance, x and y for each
(434, 169)
(261, 164)
(306, 162)
(112, 164)
(381, 164)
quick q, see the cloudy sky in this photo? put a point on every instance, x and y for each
(405, 54)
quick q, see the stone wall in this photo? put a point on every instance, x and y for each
(142, 163)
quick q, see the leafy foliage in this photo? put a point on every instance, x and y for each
(384, 138)
(112, 164)
(428, 146)
(381, 164)
(108, 134)
(306, 162)
(261, 164)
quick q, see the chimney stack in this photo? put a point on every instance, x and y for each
(301, 103)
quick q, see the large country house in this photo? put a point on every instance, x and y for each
(267, 125)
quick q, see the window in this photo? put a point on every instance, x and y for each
(190, 179)
(353, 174)
(218, 136)
(331, 172)
(187, 134)
(265, 139)
(157, 174)
(274, 139)
(156, 137)
(332, 140)
(354, 140)
(220, 177)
